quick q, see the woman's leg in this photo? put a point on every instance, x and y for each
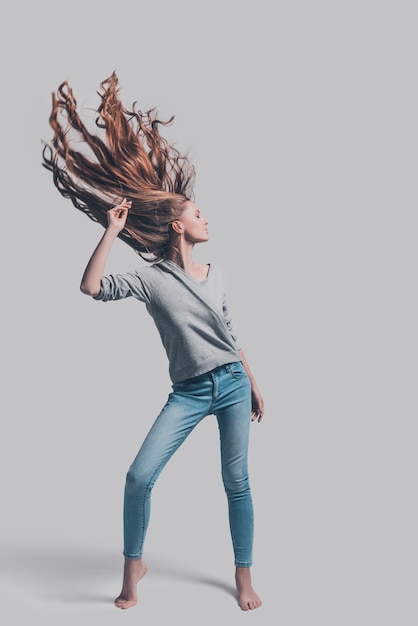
(233, 412)
(177, 419)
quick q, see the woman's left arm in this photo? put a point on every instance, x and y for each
(257, 402)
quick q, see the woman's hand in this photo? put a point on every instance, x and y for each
(257, 402)
(116, 216)
(257, 405)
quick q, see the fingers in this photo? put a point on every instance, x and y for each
(257, 415)
(124, 206)
(117, 215)
(120, 212)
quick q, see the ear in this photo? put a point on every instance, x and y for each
(177, 227)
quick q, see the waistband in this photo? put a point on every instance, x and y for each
(224, 367)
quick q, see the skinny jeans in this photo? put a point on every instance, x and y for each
(226, 393)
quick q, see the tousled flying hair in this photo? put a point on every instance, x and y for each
(126, 156)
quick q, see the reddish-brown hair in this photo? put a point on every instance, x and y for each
(125, 157)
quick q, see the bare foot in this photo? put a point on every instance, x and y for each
(247, 597)
(133, 571)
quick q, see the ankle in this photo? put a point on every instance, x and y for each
(243, 573)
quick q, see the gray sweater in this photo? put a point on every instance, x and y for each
(192, 317)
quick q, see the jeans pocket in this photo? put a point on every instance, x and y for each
(237, 369)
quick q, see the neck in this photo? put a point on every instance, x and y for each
(182, 255)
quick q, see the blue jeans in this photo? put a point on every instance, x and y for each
(226, 393)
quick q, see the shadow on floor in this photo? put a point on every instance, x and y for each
(73, 575)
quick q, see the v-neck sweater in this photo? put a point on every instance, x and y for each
(191, 316)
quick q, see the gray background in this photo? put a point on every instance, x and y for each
(301, 120)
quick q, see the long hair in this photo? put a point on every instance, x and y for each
(125, 157)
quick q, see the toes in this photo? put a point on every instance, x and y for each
(121, 603)
(250, 605)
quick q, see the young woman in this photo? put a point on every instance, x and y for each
(139, 187)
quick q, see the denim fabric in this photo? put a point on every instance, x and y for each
(226, 393)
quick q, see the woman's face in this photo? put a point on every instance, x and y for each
(194, 227)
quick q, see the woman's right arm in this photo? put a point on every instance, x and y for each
(116, 217)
